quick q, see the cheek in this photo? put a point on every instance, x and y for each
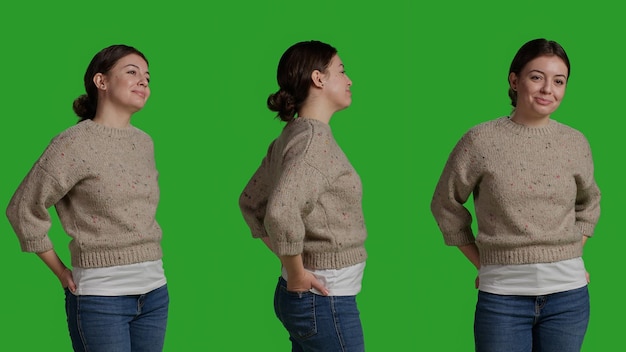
(558, 93)
(524, 92)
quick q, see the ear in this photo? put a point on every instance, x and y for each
(513, 81)
(99, 81)
(317, 79)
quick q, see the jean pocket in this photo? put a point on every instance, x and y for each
(297, 313)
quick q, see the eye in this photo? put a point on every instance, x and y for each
(559, 82)
(535, 78)
(132, 72)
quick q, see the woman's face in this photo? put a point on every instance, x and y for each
(540, 86)
(337, 84)
(126, 83)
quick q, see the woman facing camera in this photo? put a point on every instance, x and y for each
(536, 203)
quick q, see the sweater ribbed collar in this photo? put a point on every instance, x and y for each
(111, 131)
(524, 130)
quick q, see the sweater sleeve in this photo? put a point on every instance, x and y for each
(253, 199)
(28, 208)
(587, 195)
(295, 194)
(458, 180)
(294, 197)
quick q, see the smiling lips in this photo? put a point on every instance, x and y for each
(543, 101)
(140, 93)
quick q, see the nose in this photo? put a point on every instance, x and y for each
(143, 81)
(546, 88)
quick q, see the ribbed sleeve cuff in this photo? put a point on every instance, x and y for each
(586, 228)
(460, 238)
(38, 246)
(288, 248)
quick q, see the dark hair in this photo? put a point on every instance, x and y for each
(294, 76)
(86, 104)
(532, 50)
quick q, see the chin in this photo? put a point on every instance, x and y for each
(139, 107)
(545, 112)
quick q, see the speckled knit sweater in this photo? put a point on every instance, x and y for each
(306, 197)
(534, 192)
(103, 183)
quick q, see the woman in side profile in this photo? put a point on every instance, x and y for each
(304, 202)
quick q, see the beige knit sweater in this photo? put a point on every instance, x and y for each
(534, 192)
(306, 197)
(103, 183)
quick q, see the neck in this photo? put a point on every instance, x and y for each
(530, 121)
(315, 112)
(112, 118)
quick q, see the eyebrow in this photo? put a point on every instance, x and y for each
(133, 65)
(543, 73)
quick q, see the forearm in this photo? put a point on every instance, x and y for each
(267, 242)
(52, 260)
(294, 266)
(299, 279)
(585, 238)
(471, 253)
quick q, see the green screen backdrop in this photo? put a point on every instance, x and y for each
(423, 73)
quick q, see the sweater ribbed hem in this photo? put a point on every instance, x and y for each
(125, 256)
(530, 255)
(329, 260)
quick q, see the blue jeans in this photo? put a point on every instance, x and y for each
(118, 323)
(554, 322)
(319, 323)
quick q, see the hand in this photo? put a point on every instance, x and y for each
(62, 272)
(305, 283)
(476, 282)
(67, 280)
(587, 275)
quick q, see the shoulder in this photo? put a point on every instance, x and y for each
(304, 137)
(141, 136)
(66, 145)
(571, 138)
(483, 132)
(564, 129)
(306, 145)
(72, 135)
(486, 127)
(307, 128)
(140, 133)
